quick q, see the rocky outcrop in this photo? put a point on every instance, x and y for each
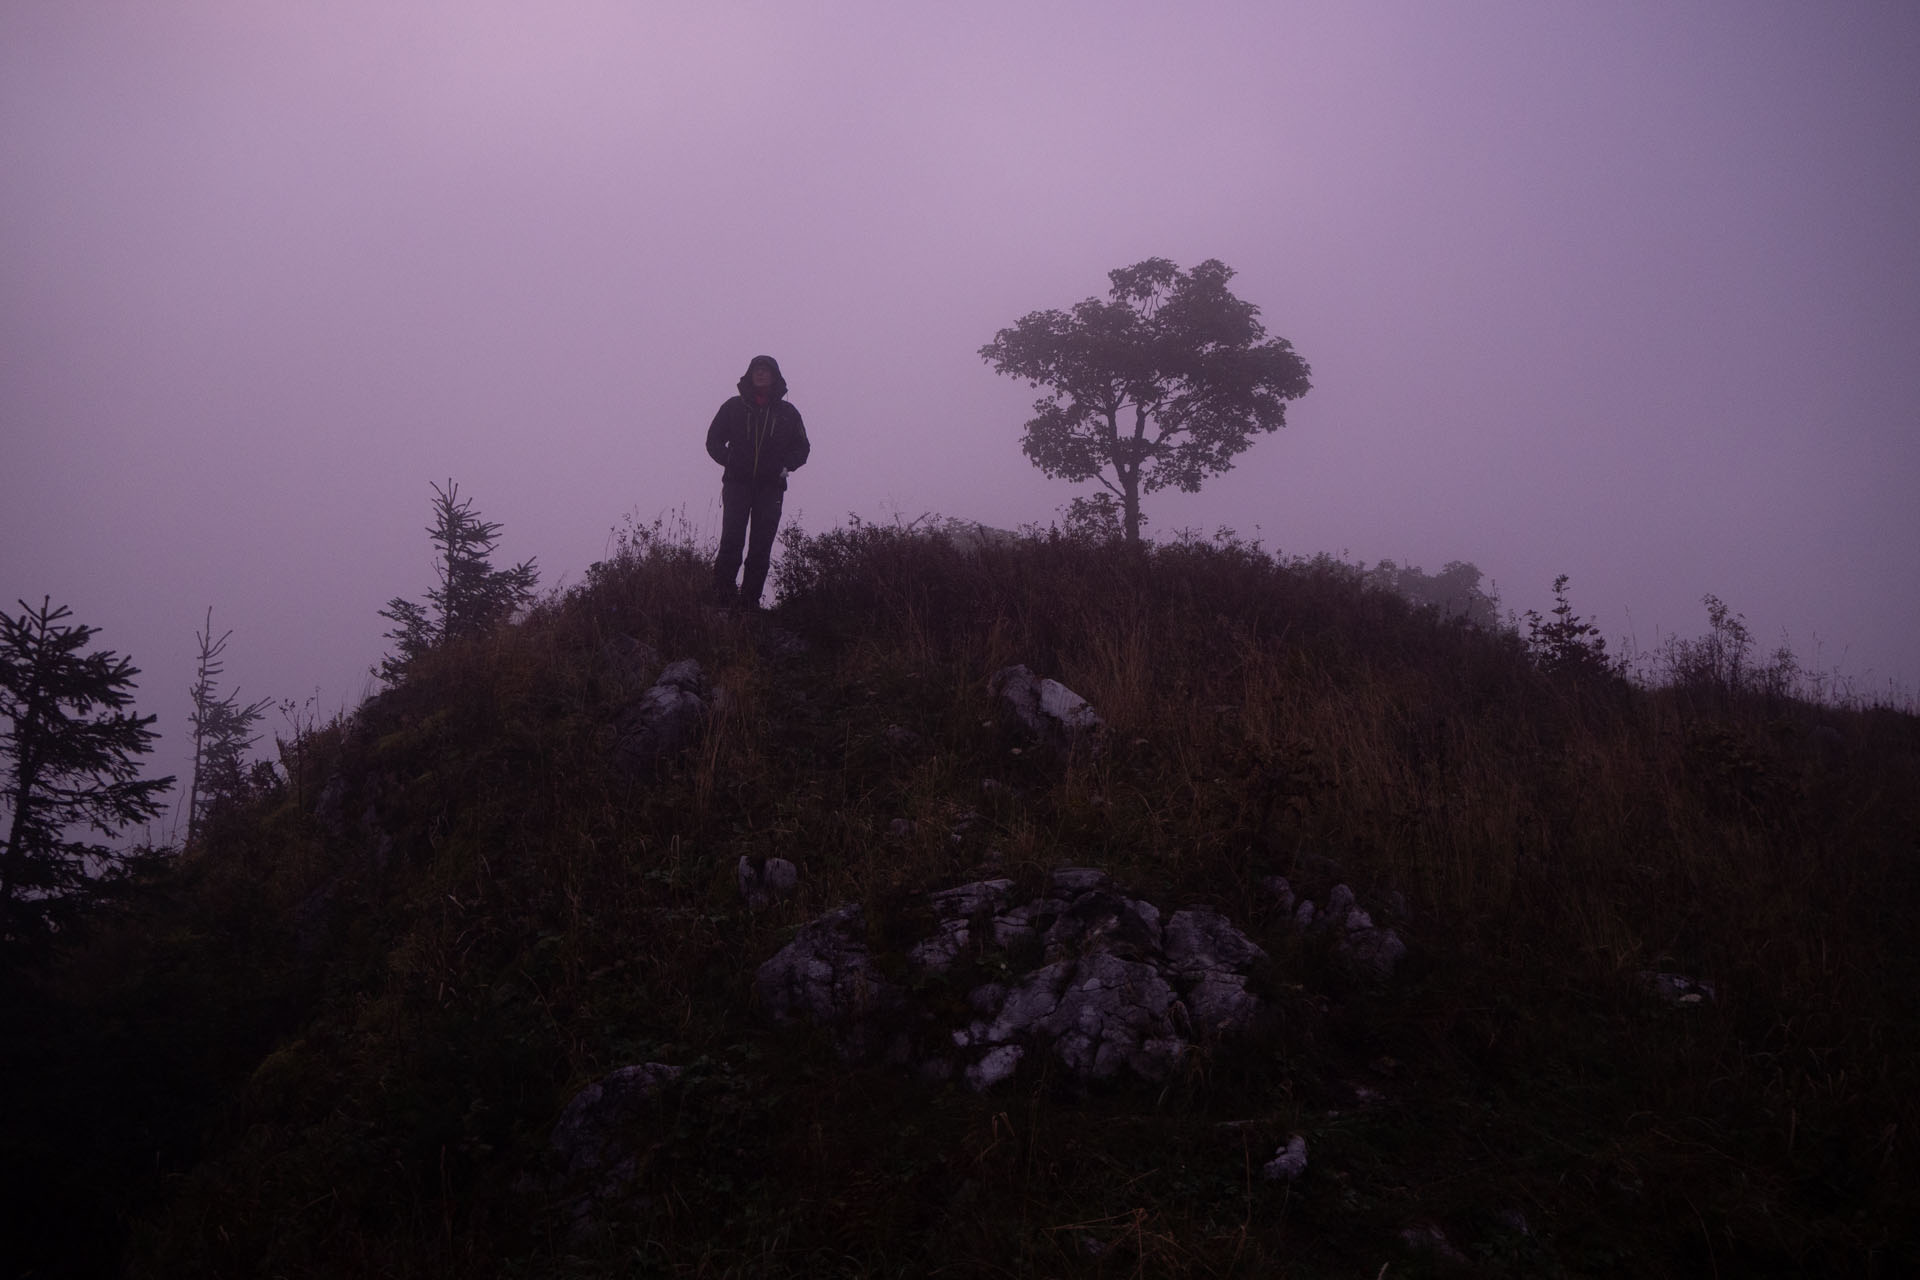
(1081, 971)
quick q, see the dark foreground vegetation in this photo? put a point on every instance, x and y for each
(334, 1038)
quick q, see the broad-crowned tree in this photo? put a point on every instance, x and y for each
(1162, 385)
(71, 772)
(222, 732)
(471, 596)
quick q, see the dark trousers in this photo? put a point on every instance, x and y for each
(742, 505)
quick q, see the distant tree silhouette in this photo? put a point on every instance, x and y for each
(221, 735)
(1162, 385)
(71, 749)
(472, 595)
(1455, 591)
(1568, 645)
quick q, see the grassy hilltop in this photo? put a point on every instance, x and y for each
(334, 1040)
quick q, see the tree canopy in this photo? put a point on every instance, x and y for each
(1162, 385)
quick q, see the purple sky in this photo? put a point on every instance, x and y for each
(1629, 291)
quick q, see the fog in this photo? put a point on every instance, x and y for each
(1629, 292)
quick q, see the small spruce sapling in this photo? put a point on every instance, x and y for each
(222, 734)
(471, 596)
(1569, 645)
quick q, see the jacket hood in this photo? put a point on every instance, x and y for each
(779, 387)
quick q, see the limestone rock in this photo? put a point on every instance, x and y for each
(1370, 949)
(827, 976)
(1117, 992)
(666, 719)
(1078, 879)
(1101, 1013)
(1288, 1163)
(772, 880)
(1046, 709)
(970, 899)
(994, 1066)
(1099, 922)
(1214, 958)
(598, 1139)
(1677, 988)
(593, 1134)
(1375, 952)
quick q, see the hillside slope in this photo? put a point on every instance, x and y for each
(464, 908)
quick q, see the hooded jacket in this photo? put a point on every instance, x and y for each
(758, 443)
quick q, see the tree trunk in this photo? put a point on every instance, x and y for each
(1129, 474)
(201, 692)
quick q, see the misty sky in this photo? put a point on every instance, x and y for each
(1628, 291)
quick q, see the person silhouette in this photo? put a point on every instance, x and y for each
(758, 438)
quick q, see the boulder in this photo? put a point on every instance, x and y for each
(1046, 710)
(993, 1066)
(1078, 879)
(1288, 1162)
(1213, 958)
(768, 881)
(1098, 922)
(827, 976)
(665, 720)
(597, 1141)
(1677, 988)
(1371, 950)
(1375, 952)
(594, 1135)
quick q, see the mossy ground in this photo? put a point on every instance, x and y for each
(372, 1010)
